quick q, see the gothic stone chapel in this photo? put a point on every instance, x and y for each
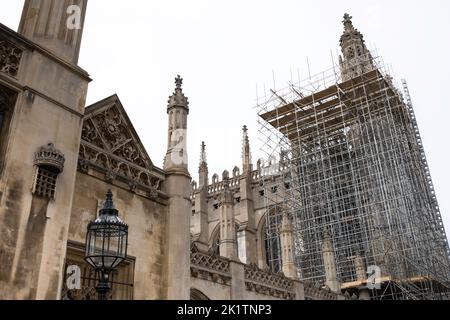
(58, 159)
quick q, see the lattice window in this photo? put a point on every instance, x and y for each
(45, 183)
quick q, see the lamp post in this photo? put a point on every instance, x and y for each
(106, 244)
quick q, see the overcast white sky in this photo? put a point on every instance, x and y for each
(225, 49)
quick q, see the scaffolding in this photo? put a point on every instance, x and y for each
(354, 167)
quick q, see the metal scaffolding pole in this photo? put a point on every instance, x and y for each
(354, 164)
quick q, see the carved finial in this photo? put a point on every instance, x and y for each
(246, 155)
(203, 162)
(203, 153)
(347, 19)
(178, 99)
(326, 233)
(227, 196)
(179, 81)
(226, 175)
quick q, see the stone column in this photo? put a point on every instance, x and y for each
(228, 243)
(247, 233)
(178, 188)
(287, 248)
(330, 263)
(238, 290)
(361, 276)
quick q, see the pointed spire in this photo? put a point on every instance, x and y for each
(178, 99)
(350, 32)
(326, 233)
(246, 154)
(203, 162)
(356, 58)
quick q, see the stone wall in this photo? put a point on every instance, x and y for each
(146, 219)
(50, 101)
(218, 278)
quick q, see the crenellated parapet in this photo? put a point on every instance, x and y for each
(257, 176)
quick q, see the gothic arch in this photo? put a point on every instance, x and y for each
(214, 240)
(269, 242)
(197, 295)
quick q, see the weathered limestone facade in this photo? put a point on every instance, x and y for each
(59, 158)
(46, 98)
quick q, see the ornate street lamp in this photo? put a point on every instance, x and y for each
(106, 244)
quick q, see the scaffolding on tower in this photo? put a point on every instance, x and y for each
(352, 163)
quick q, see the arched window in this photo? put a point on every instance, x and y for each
(215, 244)
(271, 236)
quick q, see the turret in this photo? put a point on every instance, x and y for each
(203, 168)
(247, 233)
(178, 111)
(356, 59)
(178, 188)
(228, 243)
(199, 223)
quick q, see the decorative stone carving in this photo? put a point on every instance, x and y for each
(315, 291)
(178, 99)
(10, 57)
(110, 145)
(110, 176)
(267, 278)
(211, 268)
(214, 263)
(153, 193)
(109, 130)
(49, 156)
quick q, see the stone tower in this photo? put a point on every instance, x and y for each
(55, 25)
(356, 58)
(41, 143)
(178, 188)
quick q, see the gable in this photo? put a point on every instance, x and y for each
(110, 144)
(107, 126)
